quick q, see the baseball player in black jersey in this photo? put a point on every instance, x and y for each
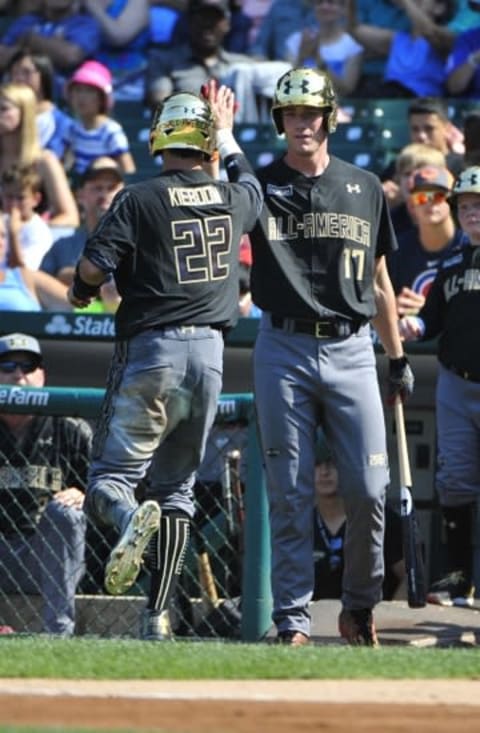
(172, 245)
(451, 312)
(319, 275)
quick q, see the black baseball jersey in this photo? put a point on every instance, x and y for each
(52, 455)
(172, 243)
(452, 309)
(315, 247)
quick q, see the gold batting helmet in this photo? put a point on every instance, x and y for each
(467, 182)
(305, 88)
(183, 121)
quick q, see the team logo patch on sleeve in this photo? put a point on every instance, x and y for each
(283, 191)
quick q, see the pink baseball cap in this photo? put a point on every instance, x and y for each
(95, 75)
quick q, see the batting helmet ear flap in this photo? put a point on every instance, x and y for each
(305, 88)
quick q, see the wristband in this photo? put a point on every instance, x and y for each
(226, 143)
(82, 290)
(398, 363)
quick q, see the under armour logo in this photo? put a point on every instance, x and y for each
(473, 179)
(353, 187)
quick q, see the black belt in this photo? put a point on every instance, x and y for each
(327, 328)
(468, 376)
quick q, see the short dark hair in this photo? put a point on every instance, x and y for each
(428, 106)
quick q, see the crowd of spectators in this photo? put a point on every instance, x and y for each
(64, 153)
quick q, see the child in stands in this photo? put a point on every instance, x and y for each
(94, 133)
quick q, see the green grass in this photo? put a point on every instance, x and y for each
(88, 658)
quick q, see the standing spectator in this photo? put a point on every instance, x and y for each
(415, 58)
(409, 160)
(19, 145)
(94, 133)
(59, 30)
(428, 124)
(451, 313)
(422, 249)
(53, 124)
(43, 473)
(174, 311)
(329, 525)
(99, 185)
(319, 276)
(191, 65)
(124, 42)
(21, 194)
(327, 46)
(236, 40)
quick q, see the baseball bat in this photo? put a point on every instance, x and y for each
(207, 581)
(412, 544)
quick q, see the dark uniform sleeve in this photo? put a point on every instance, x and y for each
(115, 236)
(239, 171)
(433, 311)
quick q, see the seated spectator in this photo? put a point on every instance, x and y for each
(21, 194)
(281, 20)
(329, 529)
(43, 473)
(415, 58)
(327, 46)
(423, 249)
(463, 65)
(237, 38)
(57, 30)
(19, 145)
(99, 185)
(125, 38)
(93, 132)
(190, 66)
(22, 289)
(409, 161)
(53, 124)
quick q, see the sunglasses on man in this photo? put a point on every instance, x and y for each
(420, 198)
(27, 367)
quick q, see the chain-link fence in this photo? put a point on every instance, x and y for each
(52, 558)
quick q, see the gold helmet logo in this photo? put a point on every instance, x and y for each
(467, 182)
(183, 121)
(305, 88)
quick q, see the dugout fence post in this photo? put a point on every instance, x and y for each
(86, 402)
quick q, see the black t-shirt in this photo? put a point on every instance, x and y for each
(52, 455)
(172, 243)
(452, 309)
(329, 560)
(315, 247)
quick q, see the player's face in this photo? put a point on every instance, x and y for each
(430, 207)
(326, 479)
(20, 367)
(304, 129)
(468, 212)
(429, 129)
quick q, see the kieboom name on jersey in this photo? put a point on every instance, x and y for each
(318, 226)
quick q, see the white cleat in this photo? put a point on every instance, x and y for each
(125, 561)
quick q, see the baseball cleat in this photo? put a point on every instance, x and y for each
(292, 638)
(357, 627)
(125, 561)
(155, 626)
(453, 590)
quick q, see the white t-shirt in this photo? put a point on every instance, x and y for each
(35, 240)
(335, 54)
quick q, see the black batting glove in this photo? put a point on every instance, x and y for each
(400, 380)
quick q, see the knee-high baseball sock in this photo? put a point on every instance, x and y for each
(457, 521)
(166, 555)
